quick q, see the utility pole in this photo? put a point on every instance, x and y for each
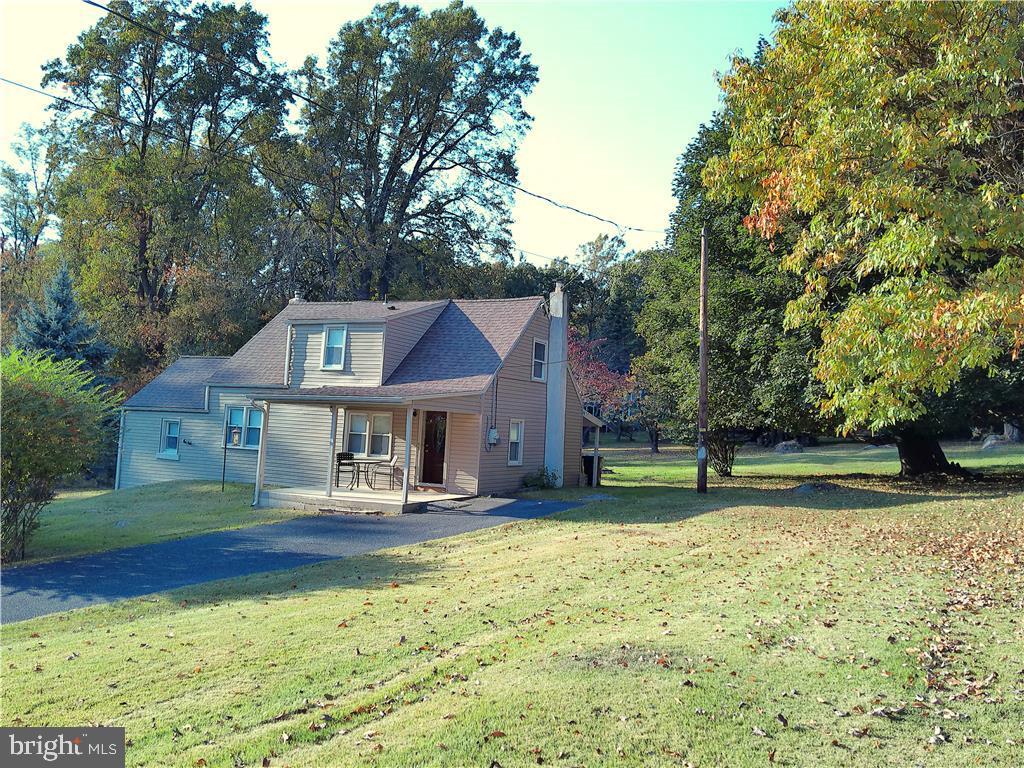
(702, 392)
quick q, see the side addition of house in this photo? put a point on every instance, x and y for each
(367, 405)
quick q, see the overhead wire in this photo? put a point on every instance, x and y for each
(465, 163)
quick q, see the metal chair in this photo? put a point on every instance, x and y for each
(389, 468)
(344, 461)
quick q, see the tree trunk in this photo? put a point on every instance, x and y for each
(653, 433)
(922, 455)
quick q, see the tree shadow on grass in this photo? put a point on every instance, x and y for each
(663, 503)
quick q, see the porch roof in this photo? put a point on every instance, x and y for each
(385, 394)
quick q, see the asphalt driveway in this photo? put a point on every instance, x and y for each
(60, 585)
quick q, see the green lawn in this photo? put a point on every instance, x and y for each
(90, 521)
(656, 628)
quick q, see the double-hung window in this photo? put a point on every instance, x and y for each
(380, 435)
(369, 434)
(170, 430)
(515, 443)
(334, 347)
(253, 427)
(540, 360)
(357, 428)
(242, 427)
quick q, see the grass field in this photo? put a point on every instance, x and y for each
(90, 521)
(860, 623)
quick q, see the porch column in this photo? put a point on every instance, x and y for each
(261, 455)
(120, 450)
(407, 461)
(330, 462)
(595, 472)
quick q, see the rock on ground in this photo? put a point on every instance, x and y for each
(789, 446)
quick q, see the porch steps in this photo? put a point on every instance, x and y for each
(311, 501)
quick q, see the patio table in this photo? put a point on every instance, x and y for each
(366, 465)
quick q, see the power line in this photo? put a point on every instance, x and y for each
(473, 169)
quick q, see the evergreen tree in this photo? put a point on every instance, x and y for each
(58, 328)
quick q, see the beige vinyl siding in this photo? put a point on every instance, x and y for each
(401, 336)
(298, 442)
(463, 453)
(467, 404)
(364, 351)
(200, 445)
(573, 434)
(298, 445)
(517, 398)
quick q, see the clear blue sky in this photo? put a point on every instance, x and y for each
(623, 88)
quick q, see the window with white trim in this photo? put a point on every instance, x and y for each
(334, 347)
(369, 434)
(358, 426)
(170, 430)
(253, 427)
(380, 435)
(242, 426)
(540, 360)
(515, 442)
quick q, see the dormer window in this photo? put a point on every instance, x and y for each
(540, 360)
(334, 347)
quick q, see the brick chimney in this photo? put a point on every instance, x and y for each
(558, 352)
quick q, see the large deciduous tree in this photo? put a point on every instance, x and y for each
(891, 136)
(759, 375)
(414, 126)
(161, 161)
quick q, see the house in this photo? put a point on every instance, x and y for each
(433, 399)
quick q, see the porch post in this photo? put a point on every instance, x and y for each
(595, 472)
(330, 463)
(261, 455)
(120, 450)
(408, 456)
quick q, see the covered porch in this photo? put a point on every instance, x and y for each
(365, 454)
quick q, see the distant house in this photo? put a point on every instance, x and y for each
(367, 405)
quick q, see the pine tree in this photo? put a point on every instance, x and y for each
(59, 329)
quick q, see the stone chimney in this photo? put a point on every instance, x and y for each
(297, 298)
(557, 373)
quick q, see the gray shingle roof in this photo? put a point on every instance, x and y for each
(260, 361)
(466, 344)
(457, 355)
(182, 385)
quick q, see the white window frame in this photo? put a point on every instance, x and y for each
(534, 360)
(521, 442)
(390, 434)
(323, 347)
(243, 446)
(162, 452)
(369, 416)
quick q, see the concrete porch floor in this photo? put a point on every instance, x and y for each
(357, 500)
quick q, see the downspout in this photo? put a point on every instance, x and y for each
(120, 449)
(261, 453)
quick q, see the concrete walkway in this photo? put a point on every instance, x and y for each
(60, 585)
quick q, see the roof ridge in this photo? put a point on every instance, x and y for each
(510, 298)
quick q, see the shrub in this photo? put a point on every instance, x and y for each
(541, 479)
(721, 453)
(54, 424)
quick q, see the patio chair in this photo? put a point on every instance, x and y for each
(344, 463)
(388, 468)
